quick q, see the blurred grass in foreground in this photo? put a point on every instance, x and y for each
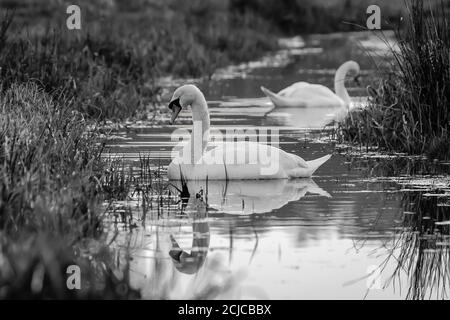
(50, 192)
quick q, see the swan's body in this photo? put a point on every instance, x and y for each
(200, 159)
(306, 95)
(217, 164)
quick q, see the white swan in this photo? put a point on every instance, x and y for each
(306, 95)
(201, 159)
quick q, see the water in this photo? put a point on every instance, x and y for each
(362, 227)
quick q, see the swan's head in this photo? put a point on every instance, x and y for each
(352, 69)
(355, 69)
(184, 96)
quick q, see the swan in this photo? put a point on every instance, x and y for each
(306, 95)
(201, 159)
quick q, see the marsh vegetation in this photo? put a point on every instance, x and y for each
(408, 108)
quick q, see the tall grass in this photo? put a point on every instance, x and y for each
(50, 193)
(409, 110)
(106, 77)
(112, 65)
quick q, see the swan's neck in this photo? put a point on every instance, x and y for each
(339, 84)
(200, 129)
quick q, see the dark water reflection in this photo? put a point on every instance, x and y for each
(362, 227)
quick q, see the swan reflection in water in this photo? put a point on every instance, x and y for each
(250, 196)
(167, 260)
(230, 197)
(190, 263)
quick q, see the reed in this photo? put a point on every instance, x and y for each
(421, 247)
(50, 201)
(408, 112)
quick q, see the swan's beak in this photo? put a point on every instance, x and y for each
(357, 80)
(174, 105)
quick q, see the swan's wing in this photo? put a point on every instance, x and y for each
(313, 91)
(240, 152)
(289, 91)
(316, 95)
(251, 160)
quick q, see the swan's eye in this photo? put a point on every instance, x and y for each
(173, 103)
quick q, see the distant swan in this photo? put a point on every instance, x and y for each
(200, 159)
(306, 95)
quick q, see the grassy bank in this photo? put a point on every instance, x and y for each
(408, 112)
(110, 67)
(51, 186)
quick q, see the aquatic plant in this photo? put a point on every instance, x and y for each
(421, 246)
(408, 110)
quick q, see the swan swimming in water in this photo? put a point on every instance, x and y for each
(200, 159)
(306, 95)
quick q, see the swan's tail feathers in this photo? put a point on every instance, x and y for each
(315, 164)
(275, 98)
(282, 101)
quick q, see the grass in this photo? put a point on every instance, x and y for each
(408, 111)
(106, 78)
(50, 193)
(112, 65)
